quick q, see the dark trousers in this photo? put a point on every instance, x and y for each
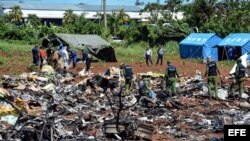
(41, 63)
(36, 61)
(238, 82)
(128, 83)
(87, 66)
(160, 58)
(148, 58)
(74, 62)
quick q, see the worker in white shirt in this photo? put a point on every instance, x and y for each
(148, 56)
(160, 53)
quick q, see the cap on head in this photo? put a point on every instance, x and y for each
(209, 58)
(169, 62)
(239, 60)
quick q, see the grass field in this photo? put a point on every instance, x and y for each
(16, 54)
(135, 52)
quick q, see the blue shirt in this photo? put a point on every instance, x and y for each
(73, 54)
(35, 52)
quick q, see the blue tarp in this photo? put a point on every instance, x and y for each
(200, 45)
(237, 40)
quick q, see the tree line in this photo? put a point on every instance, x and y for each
(220, 16)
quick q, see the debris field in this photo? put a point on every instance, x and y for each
(49, 105)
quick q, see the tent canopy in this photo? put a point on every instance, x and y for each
(235, 40)
(94, 43)
(200, 45)
(240, 42)
(197, 38)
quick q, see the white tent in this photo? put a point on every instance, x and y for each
(244, 62)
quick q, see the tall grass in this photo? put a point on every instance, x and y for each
(2, 60)
(131, 53)
(172, 48)
(14, 46)
(135, 52)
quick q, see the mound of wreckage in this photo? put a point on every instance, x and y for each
(49, 105)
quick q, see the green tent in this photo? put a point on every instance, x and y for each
(97, 46)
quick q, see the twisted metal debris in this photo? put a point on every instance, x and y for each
(50, 106)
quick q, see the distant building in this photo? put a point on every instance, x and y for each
(1, 10)
(55, 12)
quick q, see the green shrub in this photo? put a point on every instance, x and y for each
(2, 60)
(32, 67)
(172, 48)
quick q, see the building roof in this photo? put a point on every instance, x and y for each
(64, 7)
(1, 11)
(235, 39)
(110, 8)
(197, 38)
(41, 6)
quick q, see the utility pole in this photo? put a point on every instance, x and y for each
(105, 14)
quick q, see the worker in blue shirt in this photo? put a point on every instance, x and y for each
(88, 62)
(74, 57)
(230, 53)
(84, 55)
(35, 53)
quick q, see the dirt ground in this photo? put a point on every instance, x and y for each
(185, 68)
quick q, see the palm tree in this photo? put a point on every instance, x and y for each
(172, 4)
(112, 22)
(33, 20)
(69, 17)
(122, 17)
(16, 14)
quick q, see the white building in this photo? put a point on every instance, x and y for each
(54, 12)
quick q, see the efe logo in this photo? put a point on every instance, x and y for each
(237, 132)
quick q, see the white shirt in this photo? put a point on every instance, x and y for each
(148, 52)
(161, 51)
(64, 54)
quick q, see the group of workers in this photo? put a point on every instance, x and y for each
(171, 77)
(148, 56)
(60, 57)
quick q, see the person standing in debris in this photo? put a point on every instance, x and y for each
(148, 56)
(170, 75)
(42, 55)
(55, 58)
(88, 62)
(35, 53)
(211, 72)
(50, 53)
(84, 55)
(65, 56)
(160, 53)
(239, 76)
(144, 88)
(127, 73)
(74, 57)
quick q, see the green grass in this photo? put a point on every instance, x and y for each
(11, 49)
(14, 46)
(2, 60)
(227, 63)
(135, 52)
(19, 52)
(172, 48)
